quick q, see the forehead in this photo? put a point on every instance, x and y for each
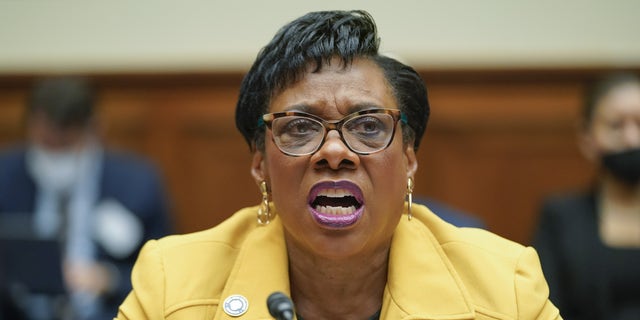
(336, 89)
(621, 101)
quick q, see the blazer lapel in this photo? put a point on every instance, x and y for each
(422, 284)
(260, 269)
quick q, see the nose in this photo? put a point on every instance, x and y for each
(335, 154)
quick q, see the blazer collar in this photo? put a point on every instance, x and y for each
(261, 268)
(422, 283)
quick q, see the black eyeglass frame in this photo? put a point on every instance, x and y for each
(268, 118)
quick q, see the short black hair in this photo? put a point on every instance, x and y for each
(600, 88)
(65, 100)
(314, 40)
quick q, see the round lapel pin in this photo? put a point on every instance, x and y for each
(235, 305)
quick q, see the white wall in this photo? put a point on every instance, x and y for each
(161, 35)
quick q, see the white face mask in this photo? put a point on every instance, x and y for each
(54, 170)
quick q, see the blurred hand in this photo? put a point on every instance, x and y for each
(94, 278)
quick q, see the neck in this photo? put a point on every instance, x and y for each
(338, 288)
(619, 192)
(619, 223)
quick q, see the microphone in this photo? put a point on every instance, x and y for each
(280, 306)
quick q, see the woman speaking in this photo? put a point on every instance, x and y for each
(334, 127)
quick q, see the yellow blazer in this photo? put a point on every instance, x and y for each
(436, 271)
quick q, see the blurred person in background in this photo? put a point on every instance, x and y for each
(100, 205)
(589, 242)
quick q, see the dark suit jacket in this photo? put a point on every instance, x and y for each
(449, 214)
(574, 259)
(131, 181)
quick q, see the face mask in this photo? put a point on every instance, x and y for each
(624, 165)
(56, 171)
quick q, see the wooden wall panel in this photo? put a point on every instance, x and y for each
(11, 124)
(188, 128)
(498, 140)
(495, 146)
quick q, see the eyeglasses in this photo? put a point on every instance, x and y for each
(364, 132)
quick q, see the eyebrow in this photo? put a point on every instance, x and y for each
(300, 107)
(352, 109)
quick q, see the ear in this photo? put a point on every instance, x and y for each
(412, 162)
(587, 145)
(258, 167)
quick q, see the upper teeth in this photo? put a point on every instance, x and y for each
(335, 193)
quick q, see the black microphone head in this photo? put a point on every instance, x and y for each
(280, 306)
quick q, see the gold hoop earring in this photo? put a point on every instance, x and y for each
(409, 197)
(264, 213)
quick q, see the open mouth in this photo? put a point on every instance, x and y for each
(336, 204)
